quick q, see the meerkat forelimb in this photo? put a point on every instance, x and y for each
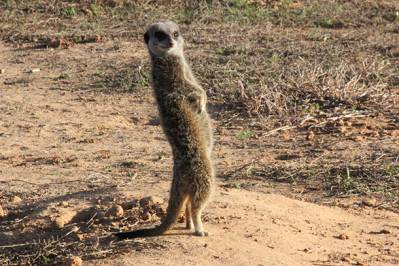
(185, 121)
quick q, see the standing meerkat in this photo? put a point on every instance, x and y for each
(185, 121)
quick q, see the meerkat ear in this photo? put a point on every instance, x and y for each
(146, 37)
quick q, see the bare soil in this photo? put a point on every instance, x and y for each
(309, 177)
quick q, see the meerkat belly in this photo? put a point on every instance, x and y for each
(183, 131)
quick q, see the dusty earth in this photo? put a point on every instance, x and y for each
(70, 152)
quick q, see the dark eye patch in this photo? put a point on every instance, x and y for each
(161, 36)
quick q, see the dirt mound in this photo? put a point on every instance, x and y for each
(41, 234)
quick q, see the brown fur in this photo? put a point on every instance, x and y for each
(185, 121)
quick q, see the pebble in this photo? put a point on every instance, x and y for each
(59, 223)
(63, 204)
(35, 70)
(343, 236)
(151, 200)
(3, 213)
(115, 211)
(73, 261)
(370, 202)
(16, 199)
(310, 136)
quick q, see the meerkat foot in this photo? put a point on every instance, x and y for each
(201, 233)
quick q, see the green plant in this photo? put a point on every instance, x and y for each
(392, 170)
(245, 134)
(69, 11)
(237, 185)
(329, 23)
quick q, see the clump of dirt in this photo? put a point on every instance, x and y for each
(70, 228)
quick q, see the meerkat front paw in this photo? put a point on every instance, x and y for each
(197, 102)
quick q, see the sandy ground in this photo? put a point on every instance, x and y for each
(60, 145)
(251, 228)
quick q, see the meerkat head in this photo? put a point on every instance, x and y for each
(163, 38)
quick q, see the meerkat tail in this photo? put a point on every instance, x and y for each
(140, 233)
(174, 208)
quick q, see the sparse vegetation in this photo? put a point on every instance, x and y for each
(304, 94)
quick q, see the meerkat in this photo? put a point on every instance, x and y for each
(186, 124)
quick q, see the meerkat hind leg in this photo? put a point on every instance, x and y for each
(189, 219)
(196, 212)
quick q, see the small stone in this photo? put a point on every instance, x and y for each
(35, 70)
(343, 236)
(16, 199)
(63, 204)
(115, 211)
(80, 237)
(2, 71)
(59, 223)
(370, 202)
(3, 212)
(73, 261)
(151, 200)
(310, 136)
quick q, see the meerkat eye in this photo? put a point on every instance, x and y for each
(161, 36)
(176, 34)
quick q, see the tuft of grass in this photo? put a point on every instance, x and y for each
(329, 23)
(245, 134)
(245, 11)
(68, 11)
(128, 164)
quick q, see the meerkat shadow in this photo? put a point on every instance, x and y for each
(180, 233)
(180, 228)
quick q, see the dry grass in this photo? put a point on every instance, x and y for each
(334, 181)
(255, 57)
